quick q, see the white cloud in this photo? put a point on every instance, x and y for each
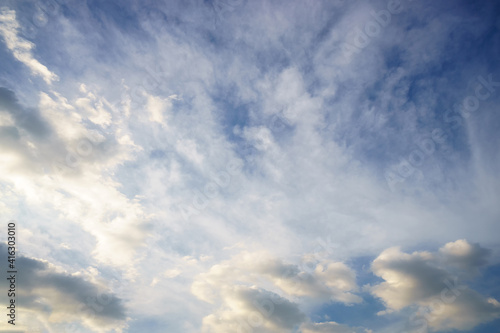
(422, 280)
(58, 162)
(94, 108)
(251, 309)
(324, 282)
(267, 88)
(48, 294)
(468, 257)
(159, 108)
(258, 290)
(22, 48)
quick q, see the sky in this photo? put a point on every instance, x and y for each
(251, 166)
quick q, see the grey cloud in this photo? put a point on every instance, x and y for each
(282, 312)
(38, 279)
(26, 118)
(28, 125)
(59, 141)
(246, 288)
(61, 155)
(428, 282)
(464, 255)
(252, 309)
(427, 279)
(279, 269)
(9, 134)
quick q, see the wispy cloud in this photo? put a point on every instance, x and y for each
(214, 155)
(21, 48)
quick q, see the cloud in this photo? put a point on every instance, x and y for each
(93, 107)
(248, 114)
(328, 280)
(320, 282)
(28, 119)
(423, 280)
(468, 257)
(159, 108)
(20, 47)
(45, 292)
(253, 310)
(264, 292)
(53, 157)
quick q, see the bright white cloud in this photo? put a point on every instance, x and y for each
(324, 282)
(20, 47)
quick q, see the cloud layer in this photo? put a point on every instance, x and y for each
(284, 166)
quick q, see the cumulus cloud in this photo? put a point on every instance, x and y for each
(325, 281)
(46, 293)
(253, 310)
(423, 280)
(328, 280)
(468, 257)
(264, 292)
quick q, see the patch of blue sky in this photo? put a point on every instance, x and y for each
(231, 112)
(363, 314)
(488, 282)
(484, 328)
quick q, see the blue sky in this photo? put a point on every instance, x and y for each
(252, 166)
